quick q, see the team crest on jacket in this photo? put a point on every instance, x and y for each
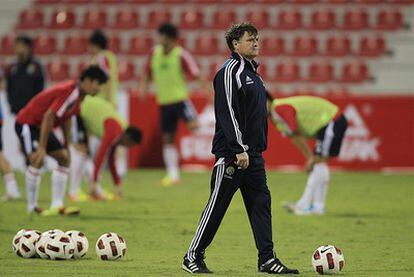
(230, 170)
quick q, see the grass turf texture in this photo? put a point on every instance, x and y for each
(370, 217)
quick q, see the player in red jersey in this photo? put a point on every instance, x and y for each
(34, 126)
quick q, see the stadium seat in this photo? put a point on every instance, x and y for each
(7, 44)
(206, 45)
(304, 2)
(126, 19)
(172, 1)
(58, 70)
(340, 2)
(139, 1)
(368, 1)
(204, 1)
(289, 20)
(108, 1)
(389, 20)
(355, 20)
(30, 19)
(140, 45)
(263, 71)
(222, 19)
(320, 72)
(258, 17)
(323, 20)
(44, 45)
(94, 19)
(76, 1)
(401, 1)
(269, 1)
(235, 1)
(304, 46)
(191, 19)
(62, 19)
(114, 44)
(157, 17)
(372, 46)
(338, 46)
(272, 46)
(46, 1)
(126, 71)
(75, 45)
(287, 71)
(354, 72)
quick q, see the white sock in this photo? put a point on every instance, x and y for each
(322, 175)
(306, 200)
(32, 187)
(170, 155)
(59, 180)
(11, 185)
(77, 167)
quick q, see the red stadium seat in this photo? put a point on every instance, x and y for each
(126, 71)
(206, 45)
(139, 1)
(320, 72)
(222, 19)
(58, 71)
(7, 44)
(263, 71)
(114, 44)
(356, 20)
(140, 45)
(304, 2)
(323, 20)
(46, 1)
(272, 46)
(44, 45)
(337, 1)
(75, 45)
(108, 1)
(30, 19)
(94, 19)
(204, 1)
(157, 17)
(62, 19)
(389, 20)
(338, 46)
(259, 18)
(269, 1)
(304, 46)
(401, 1)
(191, 19)
(76, 1)
(289, 20)
(354, 72)
(171, 1)
(235, 1)
(369, 1)
(372, 46)
(81, 66)
(287, 72)
(214, 67)
(126, 19)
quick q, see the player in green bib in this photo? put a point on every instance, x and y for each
(100, 119)
(168, 66)
(308, 117)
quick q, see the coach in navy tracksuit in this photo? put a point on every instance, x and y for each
(239, 140)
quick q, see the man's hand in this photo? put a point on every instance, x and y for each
(309, 164)
(242, 160)
(39, 156)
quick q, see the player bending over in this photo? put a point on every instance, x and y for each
(308, 117)
(49, 109)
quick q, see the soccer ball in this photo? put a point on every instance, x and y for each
(60, 247)
(16, 239)
(81, 243)
(40, 246)
(26, 243)
(110, 246)
(328, 259)
(53, 232)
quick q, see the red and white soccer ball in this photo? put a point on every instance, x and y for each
(24, 243)
(40, 246)
(81, 243)
(60, 247)
(110, 246)
(328, 259)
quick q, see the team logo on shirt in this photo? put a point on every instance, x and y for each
(249, 80)
(31, 69)
(230, 170)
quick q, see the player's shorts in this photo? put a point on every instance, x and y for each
(171, 114)
(79, 133)
(329, 138)
(29, 137)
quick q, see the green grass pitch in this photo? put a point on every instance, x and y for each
(370, 216)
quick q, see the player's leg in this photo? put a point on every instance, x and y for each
(189, 114)
(224, 180)
(12, 190)
(169, 121)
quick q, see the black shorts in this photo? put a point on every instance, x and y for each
(329, 138)
(29, 138)
(79, 133)
(170, 114)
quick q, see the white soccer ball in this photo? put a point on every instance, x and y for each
(110, 246)
(40, 245)
(81, 243)
(60, 247)
(16, 239)
(26, 243)
(53, 232)
(328, 259)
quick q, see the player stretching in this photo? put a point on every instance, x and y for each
(302, 118)
(102, 120)
(34, 126)
(167, 67)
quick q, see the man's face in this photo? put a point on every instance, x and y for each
(247, 46)
(165, 41)
(90, 87)
(93, 48)
(21, 50)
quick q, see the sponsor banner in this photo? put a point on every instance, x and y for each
(380, 135)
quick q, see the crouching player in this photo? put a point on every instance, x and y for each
(308, 117)
(49, 109)
(101, 119)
